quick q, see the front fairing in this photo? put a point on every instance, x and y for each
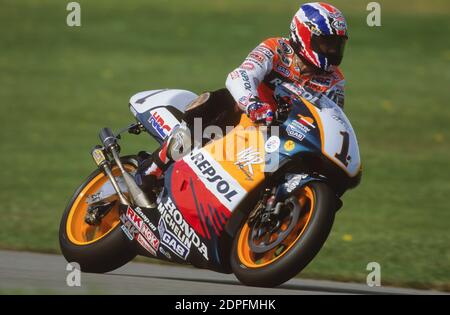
(316, 125)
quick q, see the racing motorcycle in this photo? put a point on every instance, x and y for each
(261, 212)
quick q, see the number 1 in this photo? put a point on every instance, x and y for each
(343, 155)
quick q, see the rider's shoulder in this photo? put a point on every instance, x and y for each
(338, 74)
(335, 76)
(278, 45)
(271, 42)
(326, 81)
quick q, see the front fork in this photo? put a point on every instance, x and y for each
(103, 163)
(111, 146)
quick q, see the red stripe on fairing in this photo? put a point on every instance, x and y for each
(163, 153)
(216, 227)
(306, 123)
(182, 195)
(216, 220)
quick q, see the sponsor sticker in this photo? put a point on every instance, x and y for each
(272, 144)
(131, 230)
(246, 80)
(159, 124)
(244, 101)
(286, 48)
(246, 159)
(284, 59)
(150, 237)
(289, 145)
(257, 56)
(141, 240)
(306, 121)
(339, 22)
(321, 81)
(275, 82)
(295, 133)
(126, 232)
(215, 178)
(176, 234)
(336, 15)
(134, 218)
(98, 156)
(266, 51)
(284, 71)
(299, 126)
(294, 181)
(143, 228)
(248, 65)
(144, 217)
(313, 29)
(234, 75)
(169, 240)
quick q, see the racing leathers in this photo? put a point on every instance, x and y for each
(273, 62)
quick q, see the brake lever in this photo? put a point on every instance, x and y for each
(135, 129)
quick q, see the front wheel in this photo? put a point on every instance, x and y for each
(96, 248)
(270, 255)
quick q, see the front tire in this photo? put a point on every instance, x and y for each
(295, 252)
(97, 249)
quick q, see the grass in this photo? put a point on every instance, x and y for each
(60, 85)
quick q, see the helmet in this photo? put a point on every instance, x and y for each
(318, 34)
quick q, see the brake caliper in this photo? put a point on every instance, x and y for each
(95, 213)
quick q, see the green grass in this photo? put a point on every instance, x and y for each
(59, 85)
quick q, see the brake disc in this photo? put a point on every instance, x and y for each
(260, 237)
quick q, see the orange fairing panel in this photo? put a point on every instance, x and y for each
(241, 153)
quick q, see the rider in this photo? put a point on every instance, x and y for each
(309, 57)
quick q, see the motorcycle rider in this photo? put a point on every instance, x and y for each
(309, 57)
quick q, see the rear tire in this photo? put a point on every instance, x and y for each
(111, 251)
(299, 255)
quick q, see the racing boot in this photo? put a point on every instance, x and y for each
(152, 166)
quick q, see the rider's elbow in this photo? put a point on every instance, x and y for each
(230, 79)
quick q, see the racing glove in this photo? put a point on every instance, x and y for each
(259, 111)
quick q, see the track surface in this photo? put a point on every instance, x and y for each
(28, 273)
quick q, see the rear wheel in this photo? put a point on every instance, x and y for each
(96, 248)
(270, 254)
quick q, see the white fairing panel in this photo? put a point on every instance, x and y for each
(155, 109)
(339, 140)
(144, 101)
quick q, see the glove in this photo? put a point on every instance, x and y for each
(259, 111)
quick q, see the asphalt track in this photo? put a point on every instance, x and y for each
(31, 273)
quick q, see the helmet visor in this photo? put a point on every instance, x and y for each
(330, 46)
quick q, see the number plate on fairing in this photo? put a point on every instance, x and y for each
(339, 142)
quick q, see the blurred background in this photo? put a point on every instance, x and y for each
(59, 85)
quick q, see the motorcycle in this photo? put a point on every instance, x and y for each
(262, 212)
